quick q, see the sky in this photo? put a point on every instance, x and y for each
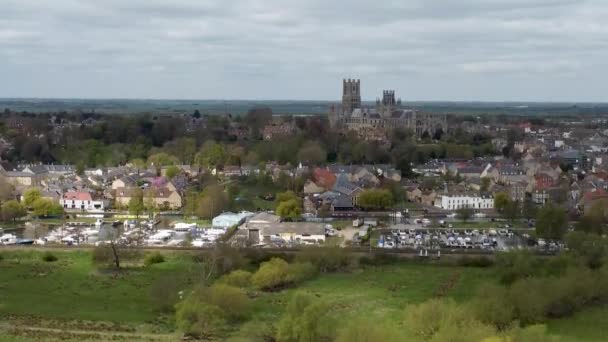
(465, 50)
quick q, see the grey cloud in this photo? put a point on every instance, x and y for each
(300, 49)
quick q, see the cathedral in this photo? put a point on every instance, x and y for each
(387, 114)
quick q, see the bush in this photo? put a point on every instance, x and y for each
(237, 278)
(328, 259)
(366, 330)
(232, 300)
(379, 259)
(299, 272)
(444, 320)
(154, 258)
(164, 293)
(478, 261)
(306, 319)
(271, 274)
(256, 331)
(491, 305)
(200, 320)
(49, 257)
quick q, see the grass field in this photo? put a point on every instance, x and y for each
(72, 294)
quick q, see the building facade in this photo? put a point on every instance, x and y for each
(388, 114)
(459, 201)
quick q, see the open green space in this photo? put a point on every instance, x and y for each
(71, 292)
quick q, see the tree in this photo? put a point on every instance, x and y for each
(290, 209)
(595, 220)
(136, 203)
(464, 214)
(551, 222)
(529, 209)
(12, 210)
(271, 274)
(444, 320)
(313, 153)
(172, 171)
(485, 184)
(366, 330)
(511, 211)
(162, 159)
(198, 319)
(43, 207)
(213, 201)
(6, 190)
(30, 196)
(211, 155)
(375, 199)
(306, 319)
(501, 200)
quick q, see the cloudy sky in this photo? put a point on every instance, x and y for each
(487, 50)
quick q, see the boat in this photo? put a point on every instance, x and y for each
(25, 242)
(98, 223)
(8, 239)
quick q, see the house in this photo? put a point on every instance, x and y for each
(160, 197)
(345, 187)
(125, 181)
(293, 232)
(275, 130)
(457, 201)
(82, 201)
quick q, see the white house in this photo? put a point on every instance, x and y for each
(81, 201)
(458, 201)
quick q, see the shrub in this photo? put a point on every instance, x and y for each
(478, 261)
(306, 319)
(49, 257)
(530, 298)
(299, 272)
(328, 259)
(271, 274)
(232, 300)
(491, 305)
(199, 320)
(378, 259)
(238, 278)
(444, 320)
(154, 258)
(365, 330)
(256, 331)
(164, 293)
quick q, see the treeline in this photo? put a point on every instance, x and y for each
(209, 140)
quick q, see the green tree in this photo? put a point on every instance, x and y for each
(444, 320)
(313, 153)
(211, 155)
(485, 184)
(511, 211)
(464, 214)
(44, 207)
(375, 199)
(595, 220)
(367, 330)
(306, 319)
(12, 210)
(162, 159)
(172, 171)
(290, 209)
(529, 209)
(501, 200)
(136, 202)
(213, 201)
(30, 196)
(551, 222)
(271, 274)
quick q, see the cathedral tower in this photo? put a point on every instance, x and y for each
(351, 95)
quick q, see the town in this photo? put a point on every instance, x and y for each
(266, 226)
(394, 178)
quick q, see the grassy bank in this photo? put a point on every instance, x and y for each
(73, 295)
